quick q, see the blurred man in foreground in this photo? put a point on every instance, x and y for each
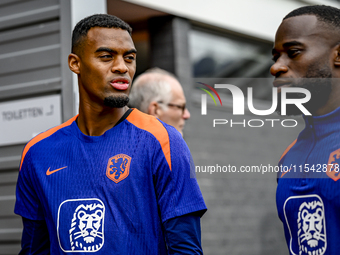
(307, 55)
(158, 93)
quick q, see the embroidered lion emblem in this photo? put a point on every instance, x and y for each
(86, 233)
(311, 224)
(118, 167)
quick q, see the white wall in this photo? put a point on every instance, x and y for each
(259, 18)
(83, 8)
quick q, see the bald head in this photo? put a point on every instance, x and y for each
(158, 92)
(148, 87)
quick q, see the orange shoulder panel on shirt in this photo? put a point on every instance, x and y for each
(153, 126)
(43, 135)
(284, 153)
(288, 148)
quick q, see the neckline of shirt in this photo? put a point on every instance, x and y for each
(91, 139)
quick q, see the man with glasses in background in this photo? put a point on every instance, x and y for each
(158, 93)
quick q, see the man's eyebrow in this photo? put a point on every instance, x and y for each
(292, 43)
(131, 51)
(106, 49)
(101, 49)
(287, 45)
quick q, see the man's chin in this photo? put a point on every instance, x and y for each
(320, 89)
(118, 101)
(291, 109)
(180, 129)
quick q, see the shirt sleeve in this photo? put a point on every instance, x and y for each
(27, 202)
(183, 234)
(35, 238)
(176, 188)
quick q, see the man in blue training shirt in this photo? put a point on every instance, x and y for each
(111, 180)
(307, 54)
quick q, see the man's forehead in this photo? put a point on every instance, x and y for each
(303, 26)
(100, 35)
(177, 90)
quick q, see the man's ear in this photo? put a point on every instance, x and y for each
(153, 109)
(337, 56)
(74, 63)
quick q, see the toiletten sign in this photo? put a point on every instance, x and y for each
(21, 120)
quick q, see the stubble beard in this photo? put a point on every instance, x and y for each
(318, 82)
(118, 101)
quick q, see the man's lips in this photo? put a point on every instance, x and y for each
(120, 84)
(282, 83)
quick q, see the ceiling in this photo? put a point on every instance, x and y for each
(131, 13)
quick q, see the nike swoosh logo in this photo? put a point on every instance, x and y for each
(48, 172)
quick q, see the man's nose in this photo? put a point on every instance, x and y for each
(119, 65)
(278, 68)
(186, 114)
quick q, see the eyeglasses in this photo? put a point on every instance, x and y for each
(181, 107)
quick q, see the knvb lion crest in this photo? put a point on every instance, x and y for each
(312, 232)
(81, 225)
(118, 167)
(86, 233)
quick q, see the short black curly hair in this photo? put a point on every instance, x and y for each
(327, 14)
(97, 20)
